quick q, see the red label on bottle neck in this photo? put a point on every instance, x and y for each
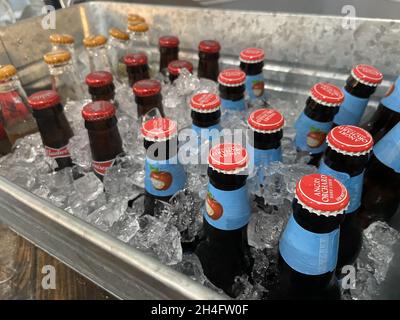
(57, 153)
(100, 167)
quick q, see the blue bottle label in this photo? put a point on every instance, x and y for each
(307, 252)
(206, 132)
(351, 110)
(255, 86)
(392, 99)
(164, 177)
(238, 105)
(263, 158)
(311, 134)
(387, 150)
(227, 210)
(354, 184)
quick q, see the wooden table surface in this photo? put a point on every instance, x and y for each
(21, 267)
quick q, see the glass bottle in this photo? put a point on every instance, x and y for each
(169, 51)
(16, 116)
(137, 67)
(139, 37)
(360, 85)
(208, 59)
(64, 79)
(231, 89)
(224, 254)
(315, 121)
(308, 248)
(97, 53)
(118, 48)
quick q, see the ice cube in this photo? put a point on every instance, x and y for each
(186, 214)
(126, 227)
(126, 177)
(89, 186)
(264, 229)
(376, 255)
(105, 216)
(191, 266)
(244, 290)
(159, 238)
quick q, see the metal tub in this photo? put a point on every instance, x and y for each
(301, 49)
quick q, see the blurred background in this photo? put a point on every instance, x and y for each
(12, 10)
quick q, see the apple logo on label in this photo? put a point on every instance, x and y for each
(258, 87)
(213, 207)
(315, 137)
(161, 180)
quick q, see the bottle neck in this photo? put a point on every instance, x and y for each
(358, 89)
(161, 150)
(227, 182)
(106, 92)
(352, 165)
(205, 120)
(319, 112)
(145, 104)
(252, 69)
(264, 141)
(231, 93)
(313, 222)
(59, 69)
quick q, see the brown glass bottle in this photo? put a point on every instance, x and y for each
(169, 51)
(224, 253)
(101, 86)
(105, 140)
(315, 121)
(54, 128)
(175, 67)
(360, 85)
(209, 59)
(381, 192)
(345, 159)
(308, 247)
(148, 96)
(387, 115)
(137, 67)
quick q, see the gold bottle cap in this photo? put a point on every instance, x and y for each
(57, 57)
(57, 38)
(140, 27)
(118, 34)
(134, 18)
(7, 71)
(94, 41)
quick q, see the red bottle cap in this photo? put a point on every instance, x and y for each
(367, 75)
(350, 140)
(98, 110)
(99, 79)
(266, 120)
(135, 59)
(209, 46)
(228, 158)
(146, 88)
(168, 41)
(44, 99)
(159, 129)
(174, 67)
(252, 55)
(327, 94)
(205, 102)
(231, 77)
(322, 194)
